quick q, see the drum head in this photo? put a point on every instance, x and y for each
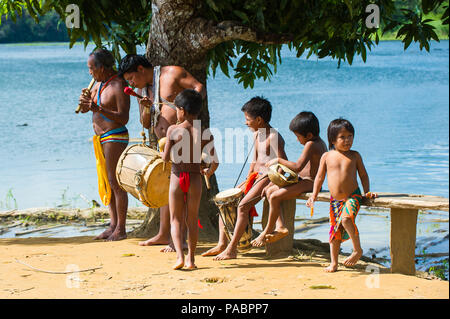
(229, 193)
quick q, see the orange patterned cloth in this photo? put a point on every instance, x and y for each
(350, 206)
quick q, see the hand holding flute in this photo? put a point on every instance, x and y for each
(86, 93)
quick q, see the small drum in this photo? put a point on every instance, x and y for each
(287, 177)
(141, 172)
(227, 201)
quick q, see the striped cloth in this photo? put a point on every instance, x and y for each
(349, 206)
(118, 135)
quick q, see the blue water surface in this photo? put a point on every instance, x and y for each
(397, 101)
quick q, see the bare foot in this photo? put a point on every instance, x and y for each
(171, 248)
(353, 258)
(214, 251)
(156, 240)
(331, 268)
(117, 235)
(168, 249)
(190, 265)
(105, 234)
(259, 241)
(226, 254)
(178, 265)
(276, 235)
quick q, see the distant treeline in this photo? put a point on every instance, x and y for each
(25, 29)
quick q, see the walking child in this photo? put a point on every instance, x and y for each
(184, 147)
(342, 165)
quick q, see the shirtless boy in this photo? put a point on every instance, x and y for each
(139, 72)
(268, 145)
(305, 126)
(342, 165)
(110, 109)
(185, 179)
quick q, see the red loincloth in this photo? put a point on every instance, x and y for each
(185, 183)
(248, 185)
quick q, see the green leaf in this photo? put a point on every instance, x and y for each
(350, 8)
(224, 68)
(363, 51)
(407, 41)
(212, 5)
(242, 15)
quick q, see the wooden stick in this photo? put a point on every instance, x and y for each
(38, 229)
(10, 226)
(207, 182)
(57, 272)
(78, 109)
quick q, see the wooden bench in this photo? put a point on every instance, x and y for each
(404, 209)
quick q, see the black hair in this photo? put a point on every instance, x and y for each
(131, 62)
(103, 57)
(189, 100)
(335, 127)
(305, 122)
(258, 106)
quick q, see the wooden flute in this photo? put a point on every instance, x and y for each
(85, 94)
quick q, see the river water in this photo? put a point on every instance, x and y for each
(397, 101)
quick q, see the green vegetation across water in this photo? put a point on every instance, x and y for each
(49, 29)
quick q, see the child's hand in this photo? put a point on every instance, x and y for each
(371, 195)
(206, 171)
(272, 162)
(310, 201)
(263, 193)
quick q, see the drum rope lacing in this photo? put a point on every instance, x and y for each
(237, 180)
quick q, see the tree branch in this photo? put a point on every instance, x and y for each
(213, 35)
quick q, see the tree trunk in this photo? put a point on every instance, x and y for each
(170, 43)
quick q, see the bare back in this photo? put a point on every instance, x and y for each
(184, 148)
(172, 81)
(315, 149)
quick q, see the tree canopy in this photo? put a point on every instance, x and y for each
(251, 32)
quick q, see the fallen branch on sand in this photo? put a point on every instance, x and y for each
(38, 230)
(4, 228)
(57, 272)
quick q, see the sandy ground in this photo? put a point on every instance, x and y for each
(131, 271)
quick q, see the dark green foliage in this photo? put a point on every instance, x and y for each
(25, 29)
(326, 28)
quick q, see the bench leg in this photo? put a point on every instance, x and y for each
(284, 246)
(403, 240)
